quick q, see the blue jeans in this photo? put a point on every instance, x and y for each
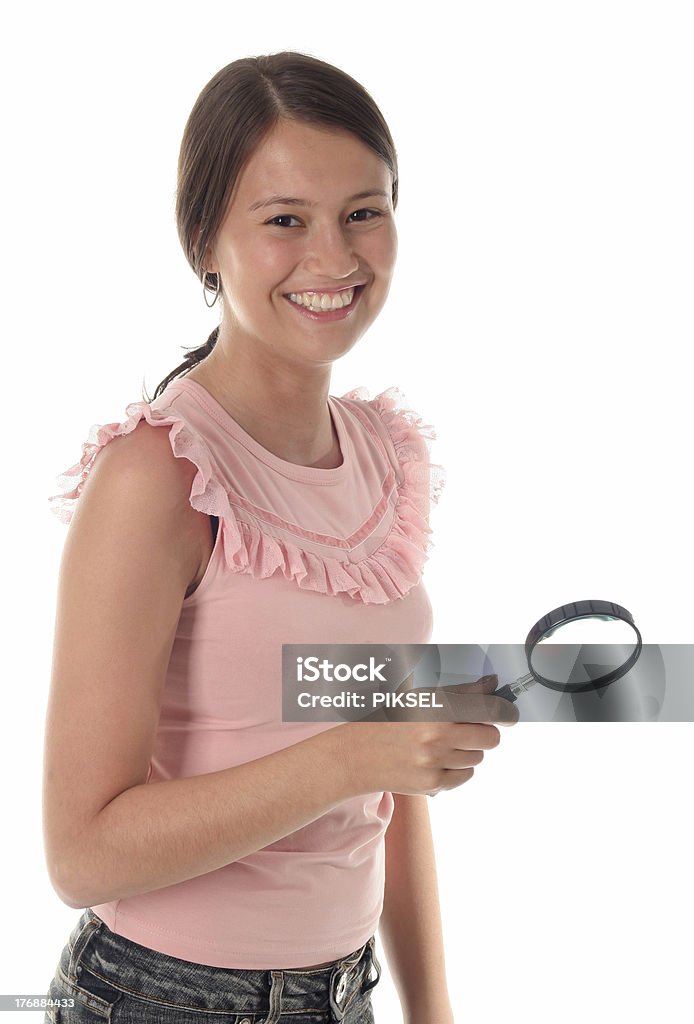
(109, 978)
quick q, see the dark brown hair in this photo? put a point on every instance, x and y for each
(233, 113)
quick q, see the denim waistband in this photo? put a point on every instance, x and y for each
(100, 967)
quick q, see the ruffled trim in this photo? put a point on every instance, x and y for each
(385, 575)
(207, 494)
(396, 566)
(412, 439)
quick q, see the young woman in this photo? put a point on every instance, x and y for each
(233, 866)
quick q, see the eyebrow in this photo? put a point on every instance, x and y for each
(293, 201)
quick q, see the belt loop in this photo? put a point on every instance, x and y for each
(87, 928)
(275, 997)
(373, 960)
(337, 992)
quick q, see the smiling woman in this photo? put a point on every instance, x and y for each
(301, 278)
(228, 861)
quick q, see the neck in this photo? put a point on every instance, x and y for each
(284, 407)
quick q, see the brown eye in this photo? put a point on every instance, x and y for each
(362, 215)
(282, 220)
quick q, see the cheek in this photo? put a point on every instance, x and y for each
(260, 264)
(384, 250)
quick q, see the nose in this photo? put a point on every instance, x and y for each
(330, 253)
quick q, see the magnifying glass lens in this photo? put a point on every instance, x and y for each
(583, 651)
(592, 629)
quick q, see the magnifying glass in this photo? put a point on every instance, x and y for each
(595, 643)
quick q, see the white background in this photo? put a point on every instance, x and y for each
(541, 319)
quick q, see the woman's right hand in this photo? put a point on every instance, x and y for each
(426, 757)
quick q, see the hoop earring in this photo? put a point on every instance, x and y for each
(218, 288)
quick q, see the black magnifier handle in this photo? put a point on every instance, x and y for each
(512, 691)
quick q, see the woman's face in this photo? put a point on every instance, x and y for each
(308, 244)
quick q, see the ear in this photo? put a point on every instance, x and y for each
(209, 262)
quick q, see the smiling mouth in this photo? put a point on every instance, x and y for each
(324, 302)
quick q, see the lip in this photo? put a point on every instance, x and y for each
(328, 316)
(327, 291)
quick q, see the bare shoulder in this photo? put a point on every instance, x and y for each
(137, 498)
(145, 457)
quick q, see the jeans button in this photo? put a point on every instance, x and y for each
(341, 988)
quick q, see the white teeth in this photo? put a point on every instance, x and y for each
(321, 301)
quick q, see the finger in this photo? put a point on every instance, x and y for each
(485, 684)
(481, 707)
(452, 778)
(458, 707)
(474, 736)
(489, 685)
(458, 702)
(457, 760)
(463, 704)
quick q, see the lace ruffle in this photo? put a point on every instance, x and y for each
(386, 574)
(411, 439)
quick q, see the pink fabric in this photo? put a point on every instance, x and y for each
(302, 556)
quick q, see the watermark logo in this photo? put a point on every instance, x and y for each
(424, 682)
(311, 669)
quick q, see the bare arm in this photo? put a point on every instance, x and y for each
(410, 925)
(135, 546)
(158, 834)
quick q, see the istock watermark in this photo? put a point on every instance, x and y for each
(312, 669)
(418, 682)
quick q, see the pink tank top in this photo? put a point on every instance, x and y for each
(302, 555)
